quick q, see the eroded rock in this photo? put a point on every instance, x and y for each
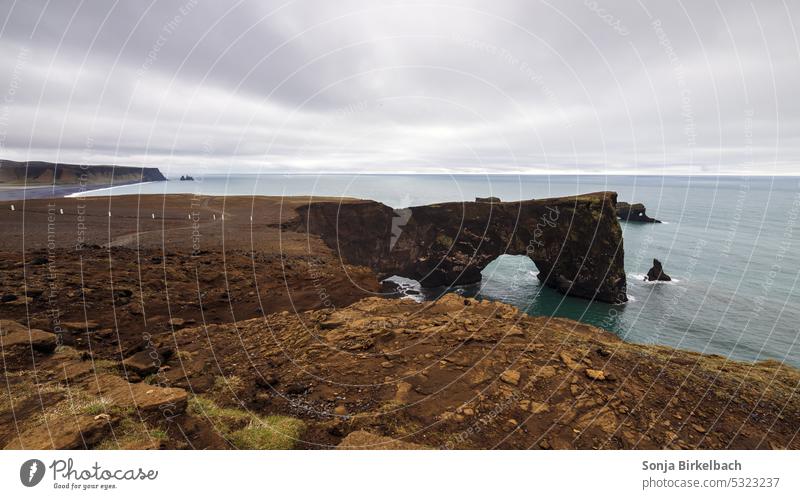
(634, 213)
(656, 273)
(575, 240)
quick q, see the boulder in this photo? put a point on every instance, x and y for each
(39, 340)
(79, 327)
(67, 431)
(490, 199)
(147, 362)
(150, 400)
(510, 376)
(363, 440)
(179, 322)
(656, 273)
(9, 326)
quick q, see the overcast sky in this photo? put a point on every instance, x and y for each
(579, 86)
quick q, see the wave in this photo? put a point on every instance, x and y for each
(640, 278)
(96, 191)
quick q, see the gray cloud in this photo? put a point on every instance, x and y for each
(386, 86)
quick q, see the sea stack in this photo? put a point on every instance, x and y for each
(634, 213)
(656, 273)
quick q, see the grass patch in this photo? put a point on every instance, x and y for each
(444, 241)
(67, 351)
(106, 366)
(244, 430)
(95, 408)
(185, 355)
(271, 433)
(233, 383)
(227, 389)
(131, 434)
(223, 418)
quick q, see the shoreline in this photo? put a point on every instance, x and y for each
(89, 192)
(23, 192)
(237, 211)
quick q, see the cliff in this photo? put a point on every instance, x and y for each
(35, 173)
(575, 241)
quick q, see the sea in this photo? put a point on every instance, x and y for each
(731, 245)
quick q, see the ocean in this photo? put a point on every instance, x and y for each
(731, 245)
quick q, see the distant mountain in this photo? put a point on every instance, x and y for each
(35, 173)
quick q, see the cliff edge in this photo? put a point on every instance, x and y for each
(39, 173)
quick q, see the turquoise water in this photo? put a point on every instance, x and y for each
(731, 244)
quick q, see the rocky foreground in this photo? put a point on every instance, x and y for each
(456, 373)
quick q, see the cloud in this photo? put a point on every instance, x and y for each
(384, 86)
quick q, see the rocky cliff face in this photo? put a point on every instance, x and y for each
(43, 173)
(575, 242)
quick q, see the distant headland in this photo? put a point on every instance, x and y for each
(36, 179)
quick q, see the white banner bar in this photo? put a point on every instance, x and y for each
(389, 474)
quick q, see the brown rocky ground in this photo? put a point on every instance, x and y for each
(456, 373)
(266, 339)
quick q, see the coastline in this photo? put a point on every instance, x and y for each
(291, 328)
(22, 192)
(93, 192)
(19, 193)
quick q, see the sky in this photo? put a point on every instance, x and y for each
(383, 86)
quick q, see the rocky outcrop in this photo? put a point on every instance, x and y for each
(362, 440)
(634, 213)
(372, 374)
(43, 173)
(575, 242)
(376, 372)
(68, 431)
(21, 346)
(656, 273)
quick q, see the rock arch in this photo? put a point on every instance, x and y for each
(575, 241)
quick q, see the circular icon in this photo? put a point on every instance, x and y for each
(31, 472)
